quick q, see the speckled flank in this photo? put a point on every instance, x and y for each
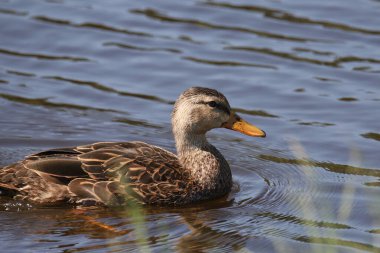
(113, 173)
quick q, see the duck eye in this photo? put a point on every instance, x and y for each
(212, 104)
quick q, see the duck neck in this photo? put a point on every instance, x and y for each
(188, 143)
(206, 165)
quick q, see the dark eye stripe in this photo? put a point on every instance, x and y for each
(218, 106)
(223, 108)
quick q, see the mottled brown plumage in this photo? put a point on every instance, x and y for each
(114, 173)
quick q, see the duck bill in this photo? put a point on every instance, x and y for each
(236, 123)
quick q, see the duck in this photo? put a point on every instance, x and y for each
(118, 173)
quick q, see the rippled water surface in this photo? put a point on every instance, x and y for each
(307, 72)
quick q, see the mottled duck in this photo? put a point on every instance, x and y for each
(113, 173)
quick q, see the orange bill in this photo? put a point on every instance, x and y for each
(238, 124)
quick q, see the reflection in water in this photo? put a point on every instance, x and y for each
(89, 25)
(136, 122)
(126, 46)
(321, 124)
(19, 73)
(301, 221)
(42, 56)
(228, 63)
(105, 88)
(336, 62)
(373, 136)
(288, 17)
(159, 16)
(348, 99)
(13, 12)
(203, 237)
(338, 242)
(338, 168)
(46, 103)
(260, 113)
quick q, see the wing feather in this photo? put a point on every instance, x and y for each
(107, 172)
(69, 167)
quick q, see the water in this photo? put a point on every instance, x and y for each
(76, 72)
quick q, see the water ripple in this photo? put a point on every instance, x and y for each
(228, 63)
(337, 62)
(106, 88)
(138, 48)
(371, 135)
(288, 17)
(20, 73)
(89, 25)
(151, 13)
(339, 242)
(13, 12)
(260, 113)
(137, 123)
(43, 56)
(337, 168)
(44, 102)
(302, 221)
